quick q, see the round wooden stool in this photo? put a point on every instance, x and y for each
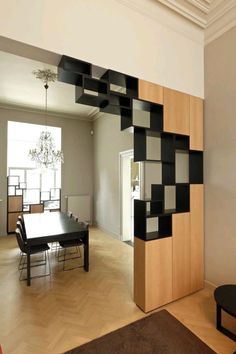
(225, 297)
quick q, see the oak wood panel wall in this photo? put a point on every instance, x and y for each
(176, 112)
(170, 268)
(181, 255)
(150, 92)
(153, 283)
(196, 123)
(197, 236)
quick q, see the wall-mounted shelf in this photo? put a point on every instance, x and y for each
(70, 70)
(92, 92)
(121, 84)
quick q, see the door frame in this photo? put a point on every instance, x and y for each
(124, 154)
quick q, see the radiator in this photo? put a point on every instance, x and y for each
(80, 205)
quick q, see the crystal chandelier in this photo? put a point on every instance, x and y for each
(45, 154)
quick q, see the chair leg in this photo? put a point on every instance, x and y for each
(47, 261)
(64, 261)
(35, 263)
(76, 252)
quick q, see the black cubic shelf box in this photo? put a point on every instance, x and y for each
(140, 146)
(155, 116)
(182, 198)
(118, 105)
(71, 70)
(164, 228)
(93, 92)
(168, 174)
(181, 142)
(195, 167)
(182, 191)
(126, 83)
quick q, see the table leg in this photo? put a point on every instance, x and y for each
(219, 326)
(28, 267)
(86, 252)
(218, 316)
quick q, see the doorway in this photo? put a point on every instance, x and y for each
(131, 187)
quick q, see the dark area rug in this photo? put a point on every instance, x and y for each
(160, 333)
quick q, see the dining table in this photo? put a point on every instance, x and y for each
(50, 227)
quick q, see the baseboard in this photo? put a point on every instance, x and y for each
(104, 229)
(209, 283)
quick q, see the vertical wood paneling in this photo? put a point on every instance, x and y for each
(197, 236)
(176, 112)
(181, 255)
(196, 123)
(150, 92)
(152, 273)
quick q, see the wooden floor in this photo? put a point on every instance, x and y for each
(70, 308)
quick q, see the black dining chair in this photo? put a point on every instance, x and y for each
(69, 244)
(21, 220)
(33, 250)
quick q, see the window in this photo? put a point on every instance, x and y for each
(35, 184)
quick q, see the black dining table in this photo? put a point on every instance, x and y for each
(53, 227)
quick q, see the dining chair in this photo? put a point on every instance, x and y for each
(68, 244)
(33, 250)
(21, 220)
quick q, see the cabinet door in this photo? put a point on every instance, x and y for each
(196, 123)
(197, 236)
(15, 203)
(150, 92)
(181, 255)
(152, 273)
(176, 112)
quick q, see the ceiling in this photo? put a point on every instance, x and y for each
(20, 88)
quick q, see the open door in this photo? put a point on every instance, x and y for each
(130, 188)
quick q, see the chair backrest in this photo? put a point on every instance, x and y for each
(75, 218)
(20, 241)
(69, 214)
(21, 220)
(20, 226)
(85, 224)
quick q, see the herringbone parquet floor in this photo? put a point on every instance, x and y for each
(58, 313)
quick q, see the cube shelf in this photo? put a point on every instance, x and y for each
(92, 92)
(195, 167)
(144, 115)
(71, 70)
(145, 139)
(164, 222)
(121, 84)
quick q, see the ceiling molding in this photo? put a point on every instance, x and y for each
(64, 115)
(221, 19)
(194, 10)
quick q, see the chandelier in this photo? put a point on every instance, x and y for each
(45, 154)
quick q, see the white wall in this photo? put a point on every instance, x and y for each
(138, 37)
(77, 145)
(109, 141)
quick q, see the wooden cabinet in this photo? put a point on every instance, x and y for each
(176, 112)
(196, 123)
(15, 203)
(181, 255)
(197, 236)
(12, 219)
(152, 273)
(150, 92)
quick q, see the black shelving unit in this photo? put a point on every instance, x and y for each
(117, 93)
(153, 111)
(93, 92)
